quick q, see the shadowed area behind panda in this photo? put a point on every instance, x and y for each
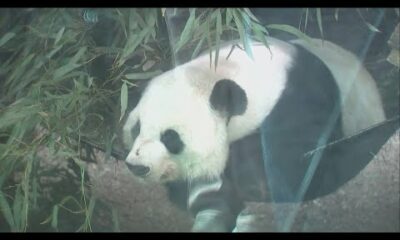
(340, 161)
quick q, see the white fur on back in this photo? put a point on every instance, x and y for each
(263, 78)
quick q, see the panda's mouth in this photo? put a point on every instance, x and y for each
(169, 174)
(164, 177)
(167, 178)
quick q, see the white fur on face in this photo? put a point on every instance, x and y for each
(170, 103)
(153, 155)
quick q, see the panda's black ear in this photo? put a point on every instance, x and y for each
(228, 98)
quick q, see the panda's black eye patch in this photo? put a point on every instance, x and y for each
(135, 131)
(172, 141)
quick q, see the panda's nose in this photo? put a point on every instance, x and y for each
(138, 170)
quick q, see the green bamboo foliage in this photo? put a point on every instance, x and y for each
(212, 27)
(45, 82)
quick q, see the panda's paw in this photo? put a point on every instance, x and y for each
(212, 221)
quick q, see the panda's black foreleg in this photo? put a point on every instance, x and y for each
(214, 204)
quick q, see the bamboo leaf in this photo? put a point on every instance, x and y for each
(25, 187)
(115, 219)
(139, 18)
(54, 217)
(198, 47)
(109, 145)
(148, 65)
(185, 35)
(6, 211)
(89, 81)
(219, 23)
(7, 37)
(261, 37)
(372, 27)
(151, 19)
(91, 206)
(18, 72)
(337, 14)
(122, 22)
(249, 13)
(124, 99)
(133, 42)
(319, 20)
(132, 23)
(59, 35)
(60, 72)
(35, 192)
(17, 206)
(239, 26)
(260, 28)
(289, 29)
(144, 75)
(228, 17)
(306, 20)
(16, 115)
(209, 41)
(218, 37)
(242, 32)
(78, 55)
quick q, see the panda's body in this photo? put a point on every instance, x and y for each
(250, 124)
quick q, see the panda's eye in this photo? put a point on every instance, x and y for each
(135, 130)
(172, 141)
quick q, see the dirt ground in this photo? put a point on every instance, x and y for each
(367, 203)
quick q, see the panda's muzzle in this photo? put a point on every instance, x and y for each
(138, 170)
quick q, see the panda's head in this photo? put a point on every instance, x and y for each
(178, 130)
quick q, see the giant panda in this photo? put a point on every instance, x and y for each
(242, 131)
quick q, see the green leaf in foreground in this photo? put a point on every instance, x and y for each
(289, 29)
(124, 99)
(7, 37)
